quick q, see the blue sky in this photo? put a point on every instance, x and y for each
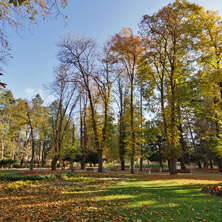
(34, 53)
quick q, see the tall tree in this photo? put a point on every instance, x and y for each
(210, 45)
(62, 109)
(127, 47)
(79, 54)
(170, 31)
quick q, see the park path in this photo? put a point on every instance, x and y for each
(194, 172)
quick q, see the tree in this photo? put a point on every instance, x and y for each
(79, 54)
(170, 35)
(61, 109)
(127, 47)
(6, 115)
(17, 12)
(211, 78)
(34, 118)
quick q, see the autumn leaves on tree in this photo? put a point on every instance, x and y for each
(168, 75)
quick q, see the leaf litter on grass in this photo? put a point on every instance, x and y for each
(126, 198)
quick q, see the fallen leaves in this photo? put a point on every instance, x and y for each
(113, 198)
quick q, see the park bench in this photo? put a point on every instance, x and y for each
(183, 171)
(155, 169)
(115, 169)
(88, 169)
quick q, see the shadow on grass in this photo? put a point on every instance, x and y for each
(131, 200)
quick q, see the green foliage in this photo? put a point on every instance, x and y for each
(15, 176)
(92, 157)
(7, 162)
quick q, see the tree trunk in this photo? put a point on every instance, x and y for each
(54, 162)
(39, 154)
(132, 164)
(21, 162)
(122, 163)
(43, 154)
(121, 123)
(72, 167)
(100, 165)
(132, 127)
(141, 125)
(181, 140)
(141, 162)
(220, 165)
(81, 137)
(33, 154)
(83, 161)
(94, 125)
(3, 147)
(173, 167)
(182, 162)
(161, 162)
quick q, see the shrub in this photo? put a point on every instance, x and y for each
(18, 185)
(7, 162)
(215, 190)
(33, 177)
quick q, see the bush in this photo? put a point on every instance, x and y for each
(214, 190)
(15, 177)
(18, 185)
(7, 162)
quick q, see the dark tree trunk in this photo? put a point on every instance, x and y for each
(160, 156)
(94, 125)
(132, 127)
(220, 165)
(100, 167)
(81, 137)
(199, 165)
(85, 139)
(173, 167)
(132, 163)
(21, 162)
(54, 162)
(43, 153)
(121, 133)
(33, 155)
(141, 162)
(141, 125)
(122, 163)
(211, 164)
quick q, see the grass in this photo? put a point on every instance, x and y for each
(114, 197)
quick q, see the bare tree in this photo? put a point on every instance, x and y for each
(79, 53)
(62, 109)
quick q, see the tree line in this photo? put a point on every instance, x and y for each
(154, 95)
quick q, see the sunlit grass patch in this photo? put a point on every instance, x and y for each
(113, 198)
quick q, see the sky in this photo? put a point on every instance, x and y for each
(34, 52)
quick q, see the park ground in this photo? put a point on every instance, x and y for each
(112, 197)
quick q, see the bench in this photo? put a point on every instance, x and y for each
(183, 171)
(155, 169)
(88, 169)
(115, 168)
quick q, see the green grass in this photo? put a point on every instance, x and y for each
(115, 197)
(156, 201)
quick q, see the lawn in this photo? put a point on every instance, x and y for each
(112, 197)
